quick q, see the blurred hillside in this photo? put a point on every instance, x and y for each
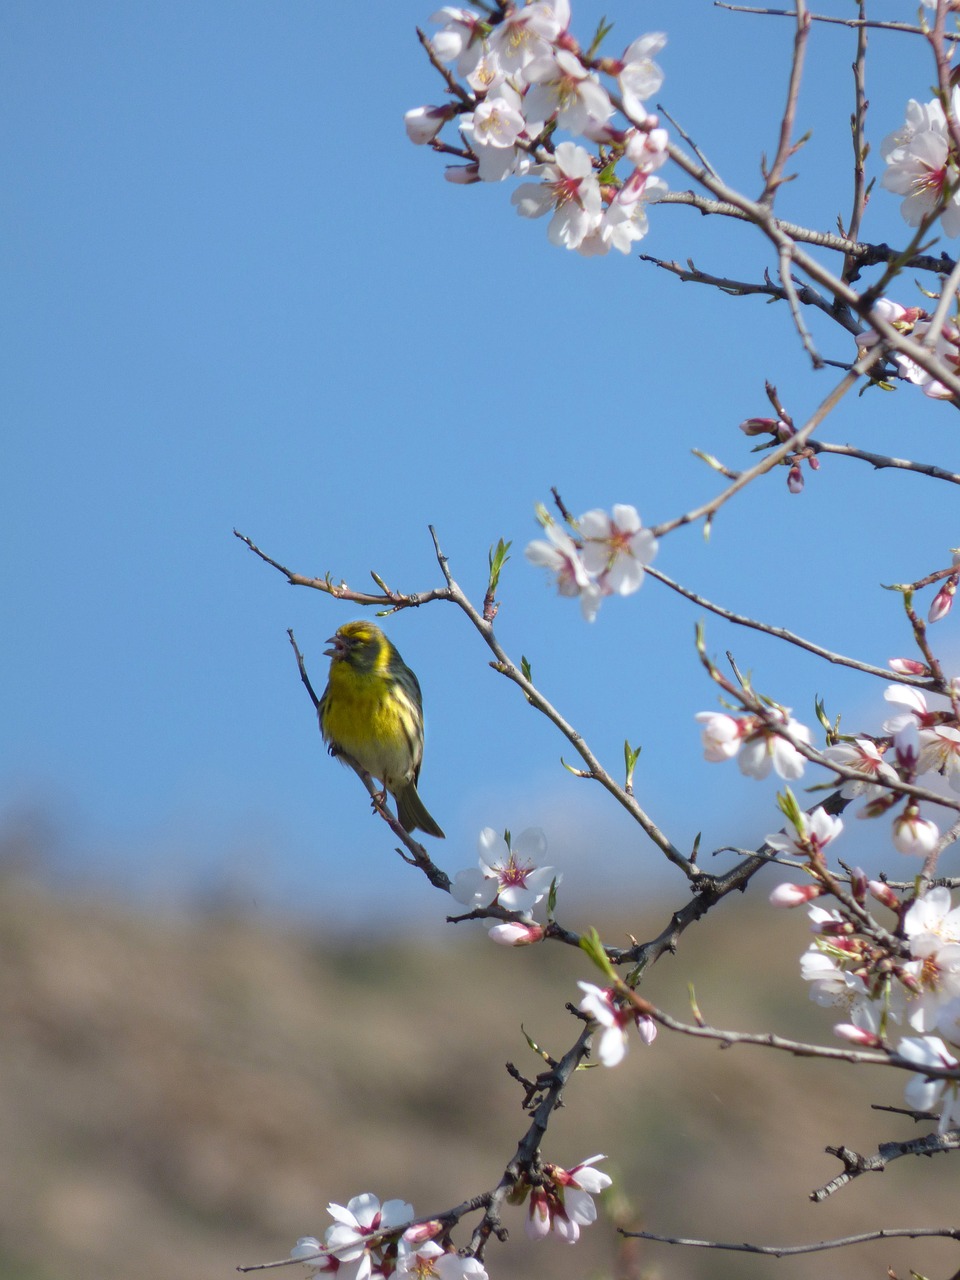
(179, 1095)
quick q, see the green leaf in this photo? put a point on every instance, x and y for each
(497, 558)
(630, 757)
(591, 944)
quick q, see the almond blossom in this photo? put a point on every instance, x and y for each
(429, 1261)
(570, 188)
(615, 1020)
(359, 1230)
(861, 756)
(561, 556)
(561, 88)
(812, 832)
(921, 165)
(563, 1202)
(929, 1093)
(508, 872)
(616, 548)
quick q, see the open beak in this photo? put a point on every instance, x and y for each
(338, 650)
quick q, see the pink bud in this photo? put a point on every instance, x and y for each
(858, 885)
(884, 895)
(943, 600)
(795, 479)
(516, 933)
(647, 1028)
(908, 667)
(856, 1035)
(794, 895)
(421, 1231)
(813, 463)
(759, 426)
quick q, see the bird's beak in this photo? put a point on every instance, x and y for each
(338, 650)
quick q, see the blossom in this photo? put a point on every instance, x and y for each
(570, 188)
(460, 39)
(561, 555)
(361, 1225)
(430, 1262)
(860, 756)
(492, 131)
(921, 165)
(721, 735)
(913, 700)
(508, 872)
(638, 75)
(562, 88)
(356, 1237)
(812, 832)
(940, 751)
(526, 33)
(616, 548)
(763, 747)
(932, 916)
(563, 1202)
(927, 1093)
(914, 835)
(615, 1020)
(624, 221)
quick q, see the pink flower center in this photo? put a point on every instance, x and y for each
(515, 874)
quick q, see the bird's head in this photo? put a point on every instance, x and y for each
(361, 644)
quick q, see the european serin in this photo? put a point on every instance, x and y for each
(372, 711)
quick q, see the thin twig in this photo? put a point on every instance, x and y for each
(781, 633)
(786, 1250)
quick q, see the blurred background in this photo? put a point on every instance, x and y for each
(235, 296)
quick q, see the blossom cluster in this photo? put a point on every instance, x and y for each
(509, 876)
(373, 1241)
(525, 77)
(608, 555)
(919, 740)
(890, 982)
(615, 1019)
(915, 322)
(921, 159)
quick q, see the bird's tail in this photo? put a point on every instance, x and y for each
(413, 814)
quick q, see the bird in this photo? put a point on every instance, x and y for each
(372, 712)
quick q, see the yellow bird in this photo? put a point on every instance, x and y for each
(372, 711)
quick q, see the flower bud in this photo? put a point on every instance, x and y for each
(759, 426)
(424, 123)
(795, 479)
(884, 894)
(516, 933)
(856, 1035)
(421, 1231)
(908, 667)
(943, 600)
(794, 895)
(914, 835)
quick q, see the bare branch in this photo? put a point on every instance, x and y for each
(786, 1250)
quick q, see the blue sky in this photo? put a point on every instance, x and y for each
(234, 295)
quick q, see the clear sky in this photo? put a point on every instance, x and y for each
(234, 295)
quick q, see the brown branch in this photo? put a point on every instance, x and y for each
(907, 27)
(787, 1250)
(785, 147)
(781, 633)
(880, 461)
(855, 1164)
